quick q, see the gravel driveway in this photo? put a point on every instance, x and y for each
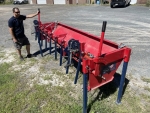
(124, 25)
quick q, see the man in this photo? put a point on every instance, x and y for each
(16, 29)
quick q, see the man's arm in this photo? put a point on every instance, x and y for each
(32, 15)
(12, 34)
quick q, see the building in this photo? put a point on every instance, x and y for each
(57, 1)
(77, 1)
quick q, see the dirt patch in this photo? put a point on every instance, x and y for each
(8, 56)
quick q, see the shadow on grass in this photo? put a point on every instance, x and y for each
(108, 89)
(43, 51)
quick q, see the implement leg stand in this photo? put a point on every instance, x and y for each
(84, 93)
(39, 41)
(46, 43)
(61, 53)
(125, 65)
(77, 73)
(50, 46)
(55, 50)
(68, 62)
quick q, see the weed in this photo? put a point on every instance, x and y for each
(47, 77)
(147, 88)
(146, 79)
(148, 3)
(2, 55)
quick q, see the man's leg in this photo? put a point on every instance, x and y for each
(18, 47)
(29, 55)
(20, 55)
(19, 52)
(27, 43)
(28, 49)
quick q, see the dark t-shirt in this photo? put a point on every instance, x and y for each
(17, 25)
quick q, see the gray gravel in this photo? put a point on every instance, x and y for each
(124, 25)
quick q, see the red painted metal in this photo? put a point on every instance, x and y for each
(97, 53)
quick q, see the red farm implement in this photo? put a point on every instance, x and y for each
(98, 58)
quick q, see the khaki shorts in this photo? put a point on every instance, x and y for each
(21, 42)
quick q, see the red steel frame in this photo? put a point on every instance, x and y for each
(108, 53)
(95, 52)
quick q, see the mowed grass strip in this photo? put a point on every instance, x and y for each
(17, 96)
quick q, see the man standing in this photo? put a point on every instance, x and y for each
(16, 29)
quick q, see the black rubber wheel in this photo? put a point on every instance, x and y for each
(111, 6)
(124, 5)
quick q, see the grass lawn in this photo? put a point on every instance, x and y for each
(32, 86)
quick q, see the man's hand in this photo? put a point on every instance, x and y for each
(38, 11)
(33, 15)
(12, 34)
(14, 40)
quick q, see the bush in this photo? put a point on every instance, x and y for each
(148, 3)
(2, 1)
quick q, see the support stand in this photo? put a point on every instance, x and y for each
(68, 62)
(46, 43)
(55, 49)
(84, 93)
(50, 45)
(39, 41)
(78, 69)
(124, 69)
(61, 53)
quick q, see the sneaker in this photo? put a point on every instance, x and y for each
(21, 58)
(30, 56)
